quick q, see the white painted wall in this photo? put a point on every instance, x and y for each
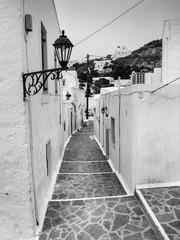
(79, 102)
(90, 103)
(121, 51)
(44, 109)
(123, 82)
(171, 51)
(75, 104)
(66, 120)
(149, 121)
(155, 77)
(71, 81)
(97, 113)
(158, 137)
(26, 125)
(149, 134)
(16, 198)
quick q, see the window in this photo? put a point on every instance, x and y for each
(44, 54)
(56, 86)
(113, 130)
(48, 157)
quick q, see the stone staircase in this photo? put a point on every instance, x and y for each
(90, 203)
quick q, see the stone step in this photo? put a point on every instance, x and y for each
(117, 218)
(162, 207)
(85, 167)
(75, 186)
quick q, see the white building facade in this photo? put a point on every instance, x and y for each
(32, 131)
(99, 65)
(74, 106)
(171, 51)
(140, 130)
(121, 51)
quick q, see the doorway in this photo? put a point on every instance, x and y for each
(107, 142)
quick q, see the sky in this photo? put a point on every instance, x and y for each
(142, 24)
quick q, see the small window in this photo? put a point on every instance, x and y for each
(113, 130)
(56, 86)
(44, 54)
(48, 157)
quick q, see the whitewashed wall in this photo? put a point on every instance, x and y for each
(149, 134)
(44, 109)
(155, 135)
(171, 50)
(97, 116)
(76, 102)
(16, 199)
(155, 77)
(66, 120)
(158, 152)
(79, 102)
(71, 81)
(27, 126)
(149, 122)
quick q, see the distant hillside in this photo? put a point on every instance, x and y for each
(144, 59)
(149, 56)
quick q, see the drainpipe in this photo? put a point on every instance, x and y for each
(119, 112)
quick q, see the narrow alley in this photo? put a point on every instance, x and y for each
(116, 175)
(89, 202)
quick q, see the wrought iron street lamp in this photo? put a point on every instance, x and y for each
(34, 81)
(63, 48)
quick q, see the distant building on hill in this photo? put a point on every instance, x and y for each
(121, 51)
(100, 65)
(71, 63)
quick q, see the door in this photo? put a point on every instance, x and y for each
(71, 122)
(107, 142)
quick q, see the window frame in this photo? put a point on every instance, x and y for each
(44, 56)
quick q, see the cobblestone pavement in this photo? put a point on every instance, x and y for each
(89, 202)
(83, 147)
(87, 186)
(94, 154)
(85, 167)
(165, 204)
(99, 219)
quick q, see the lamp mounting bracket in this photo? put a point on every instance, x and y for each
(34, 81)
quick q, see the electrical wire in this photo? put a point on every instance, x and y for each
(147, 91)
(157, 89)
(165, 85)
(109, 23)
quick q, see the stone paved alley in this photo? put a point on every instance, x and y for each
(165, 204)
(89, 202)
